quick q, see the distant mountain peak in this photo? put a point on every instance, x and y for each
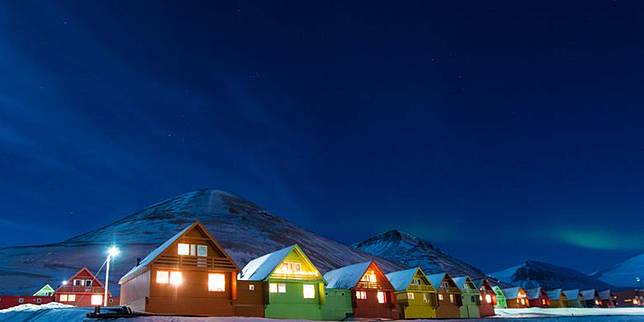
(533, 273)
(413, 251)
(396, 236)
(624, 274)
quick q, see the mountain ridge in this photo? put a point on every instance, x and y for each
(244, 229)
(531, 274)
(412, 251)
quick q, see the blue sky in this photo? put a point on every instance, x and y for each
(500, 131)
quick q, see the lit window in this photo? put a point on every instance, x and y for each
(71, 298)
(543, 301)
(176, 278)
(251, 287)
(411, 296)
(183, 249)
(162, 277)
(369, 276)
(488, 298)
(272, 287)
(290, 268)
(202, 250)
(97, 299)
(451, 298)
(425, 298)
(63, 298)
(381, 297)
(309, 291)
(440, 297)
(281, 288)
(216, 282)
(361, 295)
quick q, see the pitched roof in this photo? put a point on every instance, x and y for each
(261, 268)
(554, 294)
(147, 260)
(400, 280)
(85, 269)
(589, 294)
(572, 294)
(437, 279)
(511, 293)
(461, 280)
(45, 290)
(533, 293)
(348, 276)
(605, 294)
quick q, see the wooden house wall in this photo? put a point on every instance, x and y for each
(338, 305)
(191, 297)
(7, 301)
(447, 308)
(369, 307)
(135, 292)
(487, 309)
(471, 300)
(249, 302)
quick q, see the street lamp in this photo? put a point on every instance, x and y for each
(113, 251)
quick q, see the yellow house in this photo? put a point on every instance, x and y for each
(415, 294)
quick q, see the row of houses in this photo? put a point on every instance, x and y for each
(517, 297)
(191, 274)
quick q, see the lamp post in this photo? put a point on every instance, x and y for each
(111, 252)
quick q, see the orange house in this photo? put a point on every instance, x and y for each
(83, 289)
(189, 274)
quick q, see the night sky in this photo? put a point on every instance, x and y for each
(500, 131)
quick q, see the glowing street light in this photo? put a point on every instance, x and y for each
(113, 251)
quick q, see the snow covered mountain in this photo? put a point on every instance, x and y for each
(243, 228)
(534, 274)
(413, 251)
(624, 273)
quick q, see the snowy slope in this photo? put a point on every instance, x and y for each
(533, 274)
(413, 251)
(243, 228)
(624, 273)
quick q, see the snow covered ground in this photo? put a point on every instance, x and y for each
(56, 312)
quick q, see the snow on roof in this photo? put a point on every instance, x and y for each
(554, 294)
(572, 294)
(461, 280)
(401, 279)
(605, 294)
(589, 294)
(261, 268)
(436, 279)
(511, 293)
(533, 293)
(346, 277)
(153, 254)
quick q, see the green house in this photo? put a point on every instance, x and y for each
(338, 305)
(415, 294)
(45, 291)
(293, 287)
(471, 297)
(501, 302)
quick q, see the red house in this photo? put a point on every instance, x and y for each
(371, 292)
(538, 297)
(7, 301)
(83, 289)
(488, 298)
